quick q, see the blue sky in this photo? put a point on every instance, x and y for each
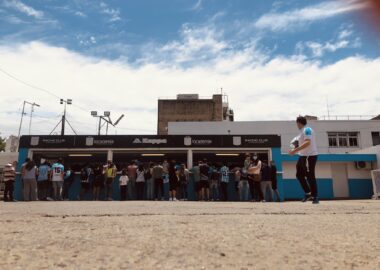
(270, 51)
(125, 29)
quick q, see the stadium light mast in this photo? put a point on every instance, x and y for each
(63, 121)
(105, 117)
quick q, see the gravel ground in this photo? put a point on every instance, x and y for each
(190, 235)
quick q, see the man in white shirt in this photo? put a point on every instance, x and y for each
(308, 155)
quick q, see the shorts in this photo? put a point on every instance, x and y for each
(173, 185)
(109, 181)
(198, 186)
(204, 184)
(237, 185)
(85, 185)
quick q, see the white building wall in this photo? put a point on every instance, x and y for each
(287, 130)
(323, 170)
(354, 173)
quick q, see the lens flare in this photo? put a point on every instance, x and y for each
(371, 13)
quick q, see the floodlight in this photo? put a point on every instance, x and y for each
(94, 113)
(69, 101)
(107, 113)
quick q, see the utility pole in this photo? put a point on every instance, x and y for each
(31, 116)
(22, 116)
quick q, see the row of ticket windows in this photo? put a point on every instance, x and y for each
(77, 161)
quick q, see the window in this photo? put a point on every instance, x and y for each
(343, 139)
(376, 138)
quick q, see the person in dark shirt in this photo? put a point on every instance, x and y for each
(204, 181)
(266, 181)
(273, 172)
(98, 182)
(173, 181)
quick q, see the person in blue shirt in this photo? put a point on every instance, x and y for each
(43, 174)
(225, 179)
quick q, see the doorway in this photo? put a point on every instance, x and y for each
(340, 180)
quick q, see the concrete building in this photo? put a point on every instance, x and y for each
(333, 136)
(346, 147)
(11, 144)
(189, 107)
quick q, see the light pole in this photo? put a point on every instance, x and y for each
(63, 121)
(106, 118)
(22, 116)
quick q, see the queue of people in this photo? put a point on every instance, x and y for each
(138, 182)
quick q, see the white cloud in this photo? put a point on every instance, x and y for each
(278, 89)
(197, 6)
(295, 18)
(21, 7)
(319, 49)
(114, 14)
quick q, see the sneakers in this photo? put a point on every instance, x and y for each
(170, 199)
(316, 200)
(307, 198)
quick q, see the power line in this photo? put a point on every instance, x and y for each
(35, 87)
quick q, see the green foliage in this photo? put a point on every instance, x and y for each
(2, 144)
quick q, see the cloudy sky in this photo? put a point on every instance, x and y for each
(274, 59)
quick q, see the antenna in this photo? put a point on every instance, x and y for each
(328, 107)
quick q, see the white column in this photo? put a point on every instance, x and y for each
(189, 158)
(110, 155)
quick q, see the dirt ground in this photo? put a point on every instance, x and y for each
(190, 235)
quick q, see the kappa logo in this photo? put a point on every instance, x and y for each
(137, 140)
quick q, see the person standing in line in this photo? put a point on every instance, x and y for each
(197, 178)
(9, 180)
(225, 179)
(165, 166)
(123, 183)
(140, 182)
(157, 174)
(273, 173)
(307, 161)
(98, 182)
(266, 182)
(132, 174)
(204, 181)
(85, 173)
(247, 161)
(149, 183)
(43, 173)
(57, 178)
(67, 183)
(242, 175)
(173, 181)
(183, 176)
(214, 183)
(110, 171)
(254, 178)
(29, 175)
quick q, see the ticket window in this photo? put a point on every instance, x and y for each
(75, 161)
(232, 160)
(122, 160)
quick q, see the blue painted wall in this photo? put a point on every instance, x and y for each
(293, 190)
(360, 188)
(23, 154)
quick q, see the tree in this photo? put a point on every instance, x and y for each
(2, 144)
